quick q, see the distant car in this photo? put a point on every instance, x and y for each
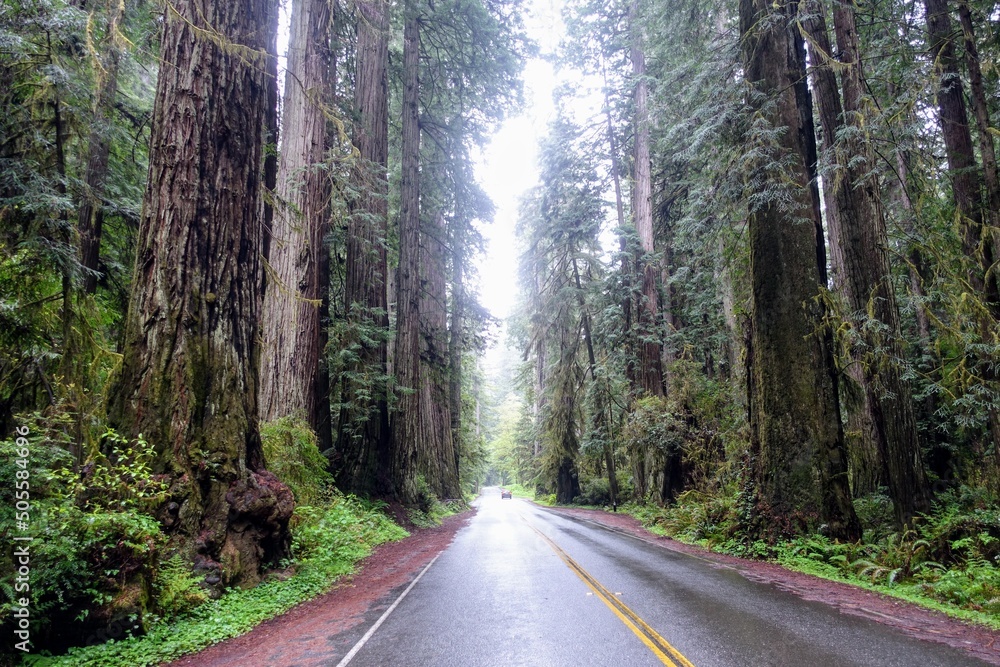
(505, 493)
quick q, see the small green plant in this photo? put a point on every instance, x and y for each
(120, 481)
(176, 588)
(895, 558)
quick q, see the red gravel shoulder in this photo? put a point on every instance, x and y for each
(915, 621)
(323, 630)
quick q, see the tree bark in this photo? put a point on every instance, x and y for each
(364, 437)
(188, 382)
(456, 337)
(863, 246)
(798, 464)
(408, 426)
(293, 372)
(650, 371)
(599, 415)
(981, 111)
(90, 220)
(442, 462)
(965, 173)
(973, 209)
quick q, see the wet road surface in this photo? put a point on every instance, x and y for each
(521, 586)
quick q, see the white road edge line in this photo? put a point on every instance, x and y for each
(368, 635)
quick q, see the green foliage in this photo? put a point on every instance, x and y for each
(361, 382)
(292, 454)
(696, 518)
(950, 559)
(328, 539)
(875, 513)
(95, 548)
(545, 499)
(340, 530)
(176, 588)
(428, 510)
(594, 491)
(123, 479)
(654, 425)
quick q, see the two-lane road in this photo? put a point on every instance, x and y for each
(524, 586)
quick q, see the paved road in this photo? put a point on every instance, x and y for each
(521, 586)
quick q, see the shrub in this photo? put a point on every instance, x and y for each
(176, 588)
(292, 454)
(328, 538)
(95, 547)
(594, 491)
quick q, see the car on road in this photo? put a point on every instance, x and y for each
(505, 493)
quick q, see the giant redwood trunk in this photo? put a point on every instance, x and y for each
(441, 460)
(408, 421)
(188, 382)
(965, 173)
(363, 438)
(293, 372)
(797, 459)
(649, 368)
(966, 185)
(864, 252)
(456, 335)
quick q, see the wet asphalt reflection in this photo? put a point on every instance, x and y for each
(509, 592)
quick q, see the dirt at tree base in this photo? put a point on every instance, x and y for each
(323, 630)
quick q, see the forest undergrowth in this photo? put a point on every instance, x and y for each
(149, 607)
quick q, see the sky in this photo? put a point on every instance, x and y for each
(508, 167)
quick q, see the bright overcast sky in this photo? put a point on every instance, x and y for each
(508, 167)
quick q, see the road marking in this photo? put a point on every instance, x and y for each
(368, 635)
(660, 647)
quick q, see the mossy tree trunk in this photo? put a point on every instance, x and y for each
(798, 465)
(649, 368)
(864, 249)
(188, 382)
(973, 202)
(440, 455)
(90, 218)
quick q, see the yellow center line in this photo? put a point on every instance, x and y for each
(653, 641)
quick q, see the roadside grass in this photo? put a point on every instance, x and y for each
(948, 561)
(328, 539)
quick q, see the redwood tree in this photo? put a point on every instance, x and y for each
(854, 208)
(798, 467)
(363, 438)
(408, 420)
(188, 381)
(293, 376)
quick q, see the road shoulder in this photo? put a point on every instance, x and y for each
(322, 630)
(910, 619)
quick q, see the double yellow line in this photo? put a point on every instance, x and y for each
(660, 647)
